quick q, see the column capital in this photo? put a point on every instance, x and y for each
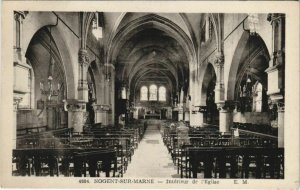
(20, 14)
(280, 106)
(219, 59)
(274, 16)
(74, 105)
(226, 106)
(83, 57)
(202, 109)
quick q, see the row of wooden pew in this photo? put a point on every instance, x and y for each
(259, 128)
(206, 149)
(231, 162)
(96, 150)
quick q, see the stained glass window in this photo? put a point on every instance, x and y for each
(162, 93)
(153, 92)
(144, 93)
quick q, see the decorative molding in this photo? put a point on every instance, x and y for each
(83, 57)
(102, 107)
(20, 14)
(219, 59)
(280, 106)
(201, 109)
(275, 16)
(74, 105)
(226, 106)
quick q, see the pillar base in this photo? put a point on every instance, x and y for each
(76, 120)
(197, 119)
(226, 121)
(103, 114)
(76, 115)
(180, 115)
(187, 116)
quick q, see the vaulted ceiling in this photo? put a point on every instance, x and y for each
(153, 48)
(152, 55)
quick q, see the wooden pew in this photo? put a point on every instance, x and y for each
(214, 160)
(60, 161)
(31, 130)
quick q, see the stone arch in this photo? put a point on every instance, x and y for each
(35, 53)
(46, 19)
(86, 22)
(122, 16)
(67, 60)
(150, 21)
(216, 22)
(208, 75)
(238, 60)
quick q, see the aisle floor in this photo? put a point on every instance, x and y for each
(151, 159)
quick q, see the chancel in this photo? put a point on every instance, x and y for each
(136, 94)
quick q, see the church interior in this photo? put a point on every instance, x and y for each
(136, 94)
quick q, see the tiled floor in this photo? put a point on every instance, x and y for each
(151, 159)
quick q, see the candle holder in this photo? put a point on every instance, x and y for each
(49, 91)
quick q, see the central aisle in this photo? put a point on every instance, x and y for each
(151, 159)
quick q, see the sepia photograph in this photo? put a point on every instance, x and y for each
(178, 98)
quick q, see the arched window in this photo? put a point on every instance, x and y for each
(162, 93)
(144, 93)
(153, 92)
(258, 98)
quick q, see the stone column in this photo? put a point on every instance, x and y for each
(19, 16)
(101, 114)
(187, 109)
(219, 89)
(77, 108)
(180, 113)
(276, 71)
(226, 116)
(76, 114)
(51, 120)
(112, 95)
(280, 110)
(180, 106)
(277, 63)
(21, 69)
(198, 116)
(109, 93)
(83, 60)
(187, 115)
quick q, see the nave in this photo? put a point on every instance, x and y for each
(141, 94)
(152, 159)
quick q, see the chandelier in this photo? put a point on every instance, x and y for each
(246, 90)
(48, 89)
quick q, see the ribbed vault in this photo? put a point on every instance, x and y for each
(152, 49)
